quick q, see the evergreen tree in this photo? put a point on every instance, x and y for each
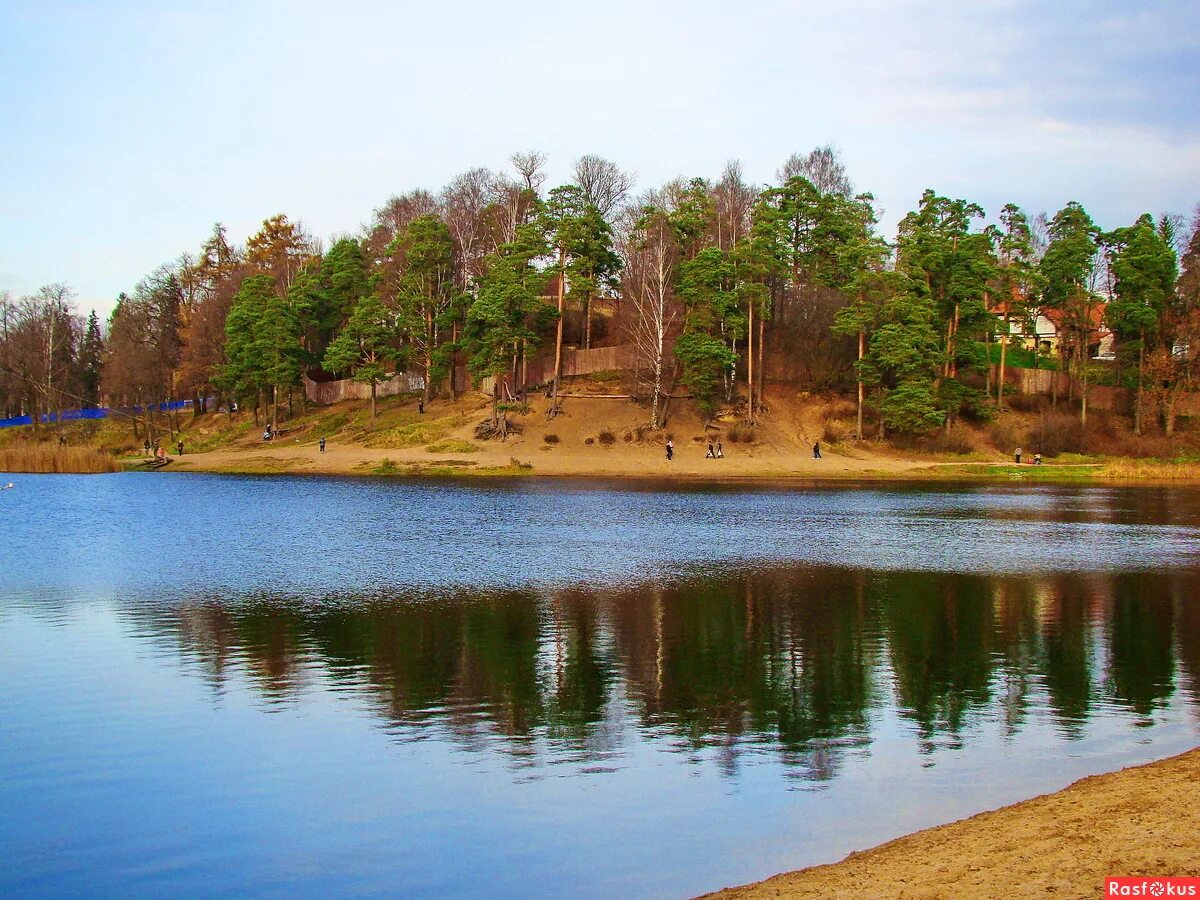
(1066, 271)
(504, 320)
(425, 293)
(946, 263)
(1144, 269)
(91, 357)
(1017, 281)
(262, 343)
(712, 322)
(366, 346)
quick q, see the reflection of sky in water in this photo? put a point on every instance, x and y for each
(327, 744)
(161, 536)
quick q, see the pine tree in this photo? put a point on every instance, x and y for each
(366, 347)
(91, 358)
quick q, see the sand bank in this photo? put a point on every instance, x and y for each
(1143, 820)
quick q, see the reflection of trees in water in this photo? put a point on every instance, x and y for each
(794, 660)
(1141, 666)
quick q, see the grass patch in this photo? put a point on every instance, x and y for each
(415, 433)
(386, 467)
(453, 445)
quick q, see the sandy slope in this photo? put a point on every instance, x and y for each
(1138, 821)
(782, 448)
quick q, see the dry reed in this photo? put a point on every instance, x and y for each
(1151, 470)
(57, 460)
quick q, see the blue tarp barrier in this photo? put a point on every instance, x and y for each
(70, 415)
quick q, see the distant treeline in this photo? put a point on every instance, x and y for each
(718, 285)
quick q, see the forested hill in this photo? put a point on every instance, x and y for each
(715, 287)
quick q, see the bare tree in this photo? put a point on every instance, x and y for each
(651, 255)
(529, 166)
(392, 218)
(513, 205)
(822, 166)
(734, 200)
(465, 201)
(603, 183)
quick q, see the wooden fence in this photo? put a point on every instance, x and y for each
(324, 393)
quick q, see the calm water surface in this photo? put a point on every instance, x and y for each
(216, 685)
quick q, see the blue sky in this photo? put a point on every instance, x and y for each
(128, 129)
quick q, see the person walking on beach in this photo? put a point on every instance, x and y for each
(720, 452)
(817, 450)
(670, 448)
(321, 443)
(712, 451)
(1017, 455)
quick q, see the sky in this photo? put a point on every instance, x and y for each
(128, 129)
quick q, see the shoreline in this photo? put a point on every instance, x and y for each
(376, 464)
(1065, 843)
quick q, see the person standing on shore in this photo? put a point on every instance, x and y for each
(179, 447)
(146, 446)
(670, 449)
(321, 444)
(1017, 455)
(817, 450)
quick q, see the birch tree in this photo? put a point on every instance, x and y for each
(651, 258)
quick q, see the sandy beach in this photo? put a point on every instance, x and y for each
(1143, 820)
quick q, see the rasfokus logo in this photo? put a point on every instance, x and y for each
(1151, 887)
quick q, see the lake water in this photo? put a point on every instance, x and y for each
(295, 686)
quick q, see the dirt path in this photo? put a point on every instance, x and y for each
(1138, 821)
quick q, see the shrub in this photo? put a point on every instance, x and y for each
(742, 433)
(607, 438)
(1025, 402)
(958, 440)
(1055, 433)
(836, 430)
(627, 437)
(550, 438)
(1004, 435)
(842, 409)
(589, 441)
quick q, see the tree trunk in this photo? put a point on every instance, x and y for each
(373, 388)
(1169, 412)
(750, 364)
(558, 330)
(430, 337)
(862, 341)
(587, 322)
(953, 345)
(275, 408)
(761, 372)
(1003, 356)
(1137, 397)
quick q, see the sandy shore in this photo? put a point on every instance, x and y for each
(605, 438)
(1143, 820)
